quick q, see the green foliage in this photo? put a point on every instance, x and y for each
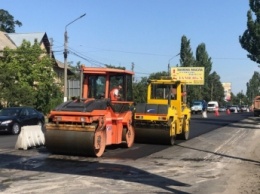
(48, 97)
(140, 90)
(203, 60)
(187, 60)
(212, 88)
(28, 78)
(253, 87)
(115, 67)
(7, 22)
(251, 36)
(158, 75)
(239, 99)
(250, 42)
(76, 71)
(186, 54)
(216, 88)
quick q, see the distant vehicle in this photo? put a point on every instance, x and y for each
(234, 108)
(197, 106)
(244, 108)
(222, 109)
(212, 106)
(13, 118)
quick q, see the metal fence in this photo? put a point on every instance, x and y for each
(73, 88)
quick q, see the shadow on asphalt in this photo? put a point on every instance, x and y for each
(86, 168)
(218, 154)
(224, 120)
(237, 121)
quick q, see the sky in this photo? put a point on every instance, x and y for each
(146, 33)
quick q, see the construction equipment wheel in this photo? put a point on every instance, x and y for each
(172, 138)
(185, 129)
(128, 136)
(92, 143)
(99, 142)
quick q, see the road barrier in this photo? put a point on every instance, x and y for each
(216, 112)
(30, 136)
(204, 114)
(228, 111)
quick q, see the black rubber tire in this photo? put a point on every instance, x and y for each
(16, 129)
(128, 136)
(172, 139)
(185, 134)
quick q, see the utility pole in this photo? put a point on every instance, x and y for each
(66, 55)
(211, 92)
(51, 44)
(65, 64)
(133, 66)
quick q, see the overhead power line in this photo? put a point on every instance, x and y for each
(229, 58)
(91, 61)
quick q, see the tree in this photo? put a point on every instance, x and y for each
(216, 88)
(250, 40)
(115, 67)
(253, 86)
(203, 60)
(186, 54)
(158, 75)
(187, 60)
(28, 78)
(76, 71)
(241, 99)
(140, 90)
(212, 85)
(7, 22)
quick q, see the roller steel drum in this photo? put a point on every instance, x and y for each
(75, 142)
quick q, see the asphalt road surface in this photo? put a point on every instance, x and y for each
(222, 156)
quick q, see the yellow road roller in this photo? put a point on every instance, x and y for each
(165, 116)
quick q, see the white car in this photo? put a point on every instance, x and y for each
(234, 108)
(222, 109)
(212, 106)
(244, 108)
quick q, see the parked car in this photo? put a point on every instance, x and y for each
(244, 108)
(13, 118)
(222, 109)
(234, 108)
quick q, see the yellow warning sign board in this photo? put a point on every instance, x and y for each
(191, 75)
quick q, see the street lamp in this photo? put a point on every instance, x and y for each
(65, 56)
(169, 63)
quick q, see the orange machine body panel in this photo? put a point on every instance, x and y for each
(92, 121)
